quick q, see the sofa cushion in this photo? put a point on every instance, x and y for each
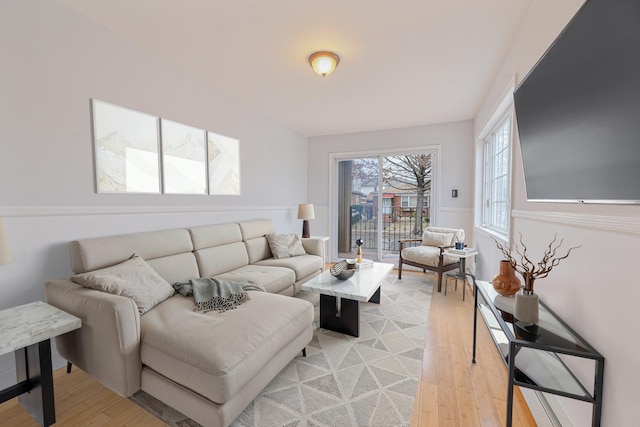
(207, 236)
(176, 268)
(303, 265)
(133, 278)
(216, 354)
(100, 252)
(220, 259)
(256, 228)
(272, 279)
(257, 249)
(285, 245)
(427, 255)
(254, 236)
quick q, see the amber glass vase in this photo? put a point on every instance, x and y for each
(505, 282)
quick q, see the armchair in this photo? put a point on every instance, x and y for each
(430, 253)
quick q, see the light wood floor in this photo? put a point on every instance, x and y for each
(452, 392)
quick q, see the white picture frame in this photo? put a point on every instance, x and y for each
(184, 158)
(223, 164)
(126, 150)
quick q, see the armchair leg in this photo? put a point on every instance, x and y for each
(400, 268)
(439, 280)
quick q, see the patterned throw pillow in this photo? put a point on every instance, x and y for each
(431, 238)
(285, 245)
(133, 278)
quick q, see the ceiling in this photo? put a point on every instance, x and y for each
(403, 62)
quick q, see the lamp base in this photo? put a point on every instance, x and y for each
(305, 228)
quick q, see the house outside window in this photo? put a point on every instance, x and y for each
(497, 177)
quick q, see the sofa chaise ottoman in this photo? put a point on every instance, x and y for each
(209, 366)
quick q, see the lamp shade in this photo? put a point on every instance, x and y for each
(323, 63)
(305, 211)
(5, 251)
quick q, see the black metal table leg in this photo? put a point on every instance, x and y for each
(33, 365)
(512, 369)
(597, 393)
(375, 298)
(340, 315)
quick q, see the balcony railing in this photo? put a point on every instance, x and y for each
(398, 223)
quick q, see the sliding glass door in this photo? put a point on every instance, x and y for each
(380, 200)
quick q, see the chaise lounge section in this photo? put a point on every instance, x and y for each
(209, 366)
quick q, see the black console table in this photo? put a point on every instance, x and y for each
(535, 354)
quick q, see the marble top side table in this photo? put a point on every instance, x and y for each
(27, 331)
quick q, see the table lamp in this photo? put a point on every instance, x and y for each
(305, 213)
(5, 251)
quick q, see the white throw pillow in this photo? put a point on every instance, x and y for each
(133, 278)
(431, 238)
(285, 245)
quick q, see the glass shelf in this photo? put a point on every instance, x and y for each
(536, 362)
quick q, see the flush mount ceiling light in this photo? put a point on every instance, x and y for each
(324, 62)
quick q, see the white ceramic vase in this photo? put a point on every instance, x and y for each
(526, 307)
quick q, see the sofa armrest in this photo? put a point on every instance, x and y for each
(107, 346)
(314, 246)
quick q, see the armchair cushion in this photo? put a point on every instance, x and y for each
(427, 255)
(458, 233)
(432, 238)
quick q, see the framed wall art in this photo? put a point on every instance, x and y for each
(126, 150)
(224, 164)
(184, 158)
(136, 152)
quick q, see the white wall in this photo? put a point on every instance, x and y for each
(53, 62)
(595, 290)
(454, 171)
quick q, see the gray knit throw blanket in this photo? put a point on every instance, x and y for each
(213, 294)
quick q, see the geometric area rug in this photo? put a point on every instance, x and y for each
(370, 380)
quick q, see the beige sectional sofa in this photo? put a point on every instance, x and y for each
(209, 366)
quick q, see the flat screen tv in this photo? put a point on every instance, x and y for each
(578, 110)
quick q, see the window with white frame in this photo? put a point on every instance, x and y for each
(412, 201)
(497, 177)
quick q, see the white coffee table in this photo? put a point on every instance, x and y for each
(340, 299)
(27, 331)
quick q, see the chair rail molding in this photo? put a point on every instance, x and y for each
(620, 224)
(456, 210)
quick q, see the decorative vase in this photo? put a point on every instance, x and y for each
(505, 282)
(526, 307)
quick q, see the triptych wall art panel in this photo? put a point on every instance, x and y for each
(139, 153)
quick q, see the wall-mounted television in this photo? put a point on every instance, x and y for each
(578, 110)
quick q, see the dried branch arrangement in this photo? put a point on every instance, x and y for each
(527, 268)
